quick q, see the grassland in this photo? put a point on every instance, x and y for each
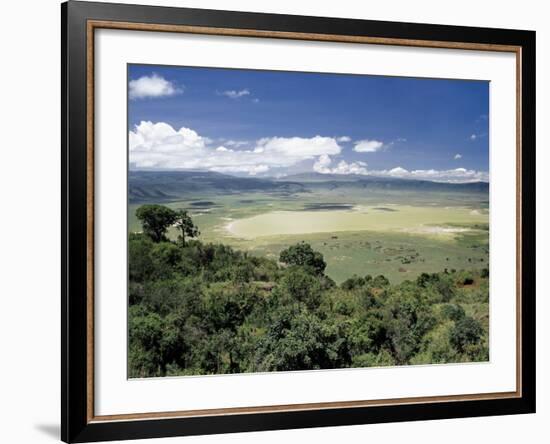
(413, 219)
(419, 253)
(399, 234)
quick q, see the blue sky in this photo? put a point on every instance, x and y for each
(267, 123)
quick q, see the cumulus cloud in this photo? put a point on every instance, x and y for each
(458, 156)
(456, 175)
(396, 172)
(151, 86)
(233, 94)
(368, 146)
(473, 137)
(159, 145)
(297, 148)
(236, 143)
(323, 166)
(252, 170)
(344, 139)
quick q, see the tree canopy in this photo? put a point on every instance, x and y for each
(155, 220)
(186, 227)
(201, 308)
(303, 255)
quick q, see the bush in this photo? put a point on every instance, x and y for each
(467, 331)
(353, 282)
(465, 278)
(426, 279)
(381, 359)
(140, 264)
(302, 287)
(453, 312)
(304, 256)
(380, 281)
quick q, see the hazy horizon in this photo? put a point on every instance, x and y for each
(304, 173)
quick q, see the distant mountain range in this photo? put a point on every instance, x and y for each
(376, 182)
(169, 185)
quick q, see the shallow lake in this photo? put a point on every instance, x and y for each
(402, 218)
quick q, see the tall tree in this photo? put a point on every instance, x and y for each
(155, 220)
(185, 225)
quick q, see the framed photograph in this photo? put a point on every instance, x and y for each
(276, 221)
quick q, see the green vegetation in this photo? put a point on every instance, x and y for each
(200, 307)
(360, 225)
(185, 226)
(302, 255)
(155, 220)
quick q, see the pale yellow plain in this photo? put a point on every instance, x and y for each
(404, 218)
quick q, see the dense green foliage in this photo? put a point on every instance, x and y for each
(302, 255)
(185, 226)
(199, 308)
(155, 220)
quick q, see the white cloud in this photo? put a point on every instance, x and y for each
(159, 145)
(322, 165)
(237, 143)
(252, 170)
(458, 156)
(153, 86)
(298, 148)
(473, 137)
(344, 139)
(456, 175)
(397, 171)
(233, 94)
(344, 167)
(368, 146)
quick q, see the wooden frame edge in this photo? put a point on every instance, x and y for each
(90, 208)
(519, 221)
(284, 408)
(336, 38)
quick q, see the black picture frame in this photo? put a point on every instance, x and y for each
(76, 424)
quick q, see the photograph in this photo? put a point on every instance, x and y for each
(281, 221)
(275, 220)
